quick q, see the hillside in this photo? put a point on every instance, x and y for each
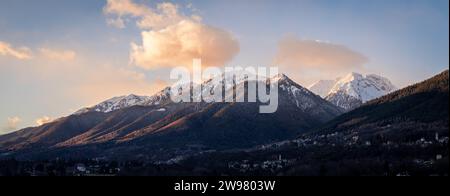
(424, 102)
(128, 128)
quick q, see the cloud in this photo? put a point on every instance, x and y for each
(164, 15)
(170, 38)
(317, 55)
(58, 55)
(91, 79)
(43, 120)
(25, 53)
(12, 124)
(313, 60)
(125, 7)
(21, 53)
(178, 44)
(116, 22)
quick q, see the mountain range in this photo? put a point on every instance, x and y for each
(353, 90)
(425, 102)
(403, 133)
(155, 128)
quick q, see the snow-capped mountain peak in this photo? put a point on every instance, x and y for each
(353, 89)
(121, 102)
(364, 88)
(301, 95)
(116, 103)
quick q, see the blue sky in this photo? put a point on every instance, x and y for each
(404, 40)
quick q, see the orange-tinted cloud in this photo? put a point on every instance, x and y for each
(170, 38)
(58, 55)
(124, 7)
(178, 44)
(310, 60)
(318, 55)
(21, 53)
(43, 120)
(79, 77)
(164, 15)
(12, 124)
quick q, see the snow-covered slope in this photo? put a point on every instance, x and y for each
(364, 88)
(322, 87)
(288, 89)
(116, 103)
(354, 89)
(304, 99)
(122, 102)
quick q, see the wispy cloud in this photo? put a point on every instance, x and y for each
(313, 59)
(170, 38)
(21, 53)
(316, 54)
(164, 15)
(12, 124)
(91, 80)
(25, 53)
(57, 55)
(43, 120)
